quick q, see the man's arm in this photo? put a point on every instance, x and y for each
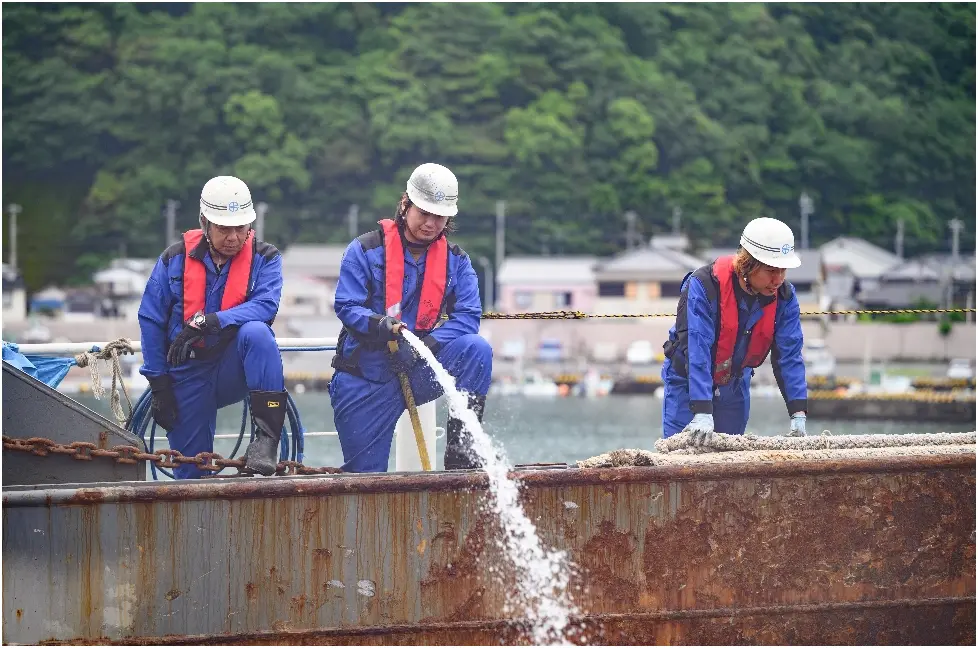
(352, 292)
(786, 358)
(701, 336)
(465, 316)
(153, 315)
(263, 302)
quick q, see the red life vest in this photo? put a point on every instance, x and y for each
(195, 275)
(762, 337)
(435, 277)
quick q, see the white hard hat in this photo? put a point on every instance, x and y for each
(434, 189)
(225, 200)
(771, 242)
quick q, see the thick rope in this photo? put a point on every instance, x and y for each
(728, 448)
(110, 353)
(826, 441)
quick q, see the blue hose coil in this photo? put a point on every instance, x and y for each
(142, 416)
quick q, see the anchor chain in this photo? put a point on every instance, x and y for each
(163, 458)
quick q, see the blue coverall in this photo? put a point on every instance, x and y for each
(251, 362)
(688, 373)
(366, 407)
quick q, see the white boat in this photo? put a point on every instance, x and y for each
(819, 361)
(593, 385)
(530, 383)
(960, 369)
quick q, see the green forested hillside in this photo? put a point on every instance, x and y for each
(572, 113)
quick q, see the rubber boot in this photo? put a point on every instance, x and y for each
(268, 411)
(459, 454)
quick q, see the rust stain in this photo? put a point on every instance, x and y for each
(454, 562)
(298, 605)
(103, 439)
(147, 569)
(873, 534)
(608, 567)
(172, 594)
(934, 623)
(251, 591)
(471, 607)
(89, 496)
(20, 613)
(90, 568)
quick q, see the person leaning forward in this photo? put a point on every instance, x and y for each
(205, 321)
(731, 314)
(407, 273)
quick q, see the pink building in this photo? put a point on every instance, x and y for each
(546, 283)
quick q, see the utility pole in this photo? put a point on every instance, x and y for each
(490, 296)
(352, 218)
(899, 238)
(956, 226)
(677, 214)
(13, 209)
(500, 233)
(807, 207)
(630, 217)
(260, 210)
(171, 221)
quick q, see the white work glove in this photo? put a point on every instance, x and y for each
(798, 425)
(702, 429)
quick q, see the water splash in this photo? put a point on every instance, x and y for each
(544, 573)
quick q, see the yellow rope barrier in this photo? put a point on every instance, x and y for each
(578, 315)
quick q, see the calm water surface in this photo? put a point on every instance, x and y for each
(566, 430)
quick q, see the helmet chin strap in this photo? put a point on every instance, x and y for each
(205, 226)
(747, 286)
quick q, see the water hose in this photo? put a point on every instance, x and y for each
(142, 417)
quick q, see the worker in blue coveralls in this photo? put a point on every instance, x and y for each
(407, 273)
(207, 341)
(731, 314)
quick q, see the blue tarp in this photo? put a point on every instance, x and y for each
(50, 371)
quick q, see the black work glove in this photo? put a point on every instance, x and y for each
(388, 329)
(164, 402)
(190, 335)
(405, 358)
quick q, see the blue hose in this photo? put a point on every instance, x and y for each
(142, 416)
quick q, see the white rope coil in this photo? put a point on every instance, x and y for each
(110, 353)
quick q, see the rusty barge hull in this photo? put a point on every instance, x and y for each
(856, 551)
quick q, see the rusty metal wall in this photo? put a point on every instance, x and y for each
(856, 551)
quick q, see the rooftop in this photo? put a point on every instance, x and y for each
(313, 259)
(862, 258)
(547, 270)
(649, 263)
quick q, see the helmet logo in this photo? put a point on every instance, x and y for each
(439, 196)
(787, 249)
(233, 207)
